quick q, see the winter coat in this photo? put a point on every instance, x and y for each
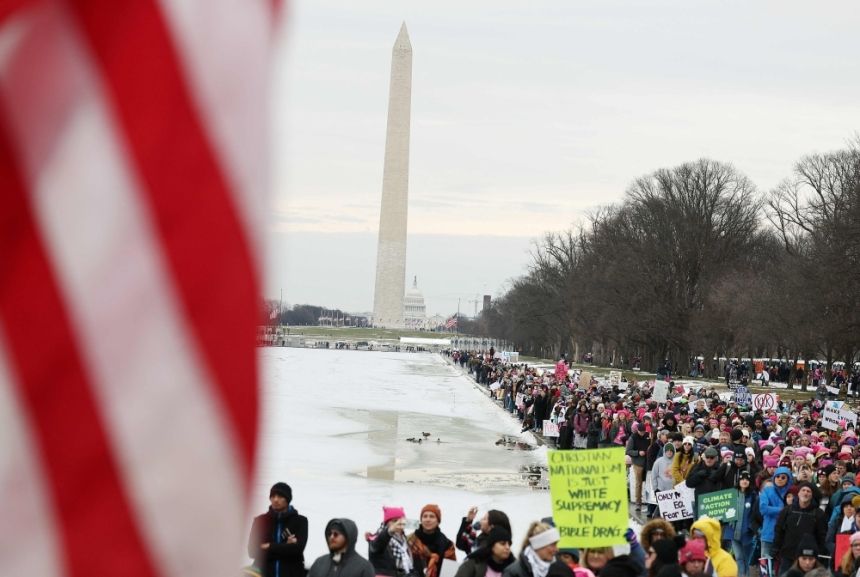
(281, 559)
(771, 503)
(724, 565)
(699, 479)
(476, 564)
(351, 564)
(793, 522)
(661, 474)
(727, 475)
(636, 444)
(681, 465)
(380, 555)
(429, 550)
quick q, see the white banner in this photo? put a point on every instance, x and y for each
(779, 385)
(831, 417)
(615, 378)
(742, 396)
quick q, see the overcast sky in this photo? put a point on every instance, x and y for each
(525, 116)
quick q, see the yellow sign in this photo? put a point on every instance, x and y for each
(589, 496)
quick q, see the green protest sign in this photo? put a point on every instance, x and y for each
(721, 505)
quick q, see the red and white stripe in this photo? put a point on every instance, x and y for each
(132, 176)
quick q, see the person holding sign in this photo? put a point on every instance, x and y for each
(708, 530)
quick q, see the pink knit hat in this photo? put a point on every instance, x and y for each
(854, 538)
(389, 513)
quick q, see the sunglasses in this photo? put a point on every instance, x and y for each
(334, 533)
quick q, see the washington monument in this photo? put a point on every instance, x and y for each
(391, 250)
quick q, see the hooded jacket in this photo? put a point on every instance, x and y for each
(724, 565)
(350, 564)
(661, 473)
(281, 559)
(793, 523)
(771, 503)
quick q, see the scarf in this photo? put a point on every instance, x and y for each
(429, 547)
(400, 552)
(539, 567)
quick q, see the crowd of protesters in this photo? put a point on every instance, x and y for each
(797, 481)
(797, 478)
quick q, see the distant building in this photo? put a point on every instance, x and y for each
(414, 309)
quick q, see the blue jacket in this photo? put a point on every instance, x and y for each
(771, 502)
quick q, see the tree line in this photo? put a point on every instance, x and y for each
(695, 260)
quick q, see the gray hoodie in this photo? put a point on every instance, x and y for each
(351, 564)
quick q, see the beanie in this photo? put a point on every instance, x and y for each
(498, 535)
(389, 513)
(666, 550)
(621, 566)
(854, 538)
(807, 546)
(693, 550)
(433, 509)
(282, 489)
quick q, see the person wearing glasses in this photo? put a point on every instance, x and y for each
(342, 560)
(702, 474)
(771, 503)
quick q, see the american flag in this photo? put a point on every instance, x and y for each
(451, 322)
(132, 173)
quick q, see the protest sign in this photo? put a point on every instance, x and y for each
(765, 567)
(832, 390)
(520, 400)
(585, 379)
(673, 505)
(843, 545)
(756, 383)
(687, 493)
(720, 505)
(764, 402)
(779, 385)
(661, 390)
(831, 417)
(589, 497)
(742, 396)
(647, 487)
(615, 378)
(550, 429)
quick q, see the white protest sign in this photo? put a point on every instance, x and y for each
(615, 378)
(832, 390)
(520, 400)
(495, 386)
(764, 402)
(755, 383)
(779, 385)
(742, 396)
(661, 390)
(550, 429)
(673, 505)
(832, 415)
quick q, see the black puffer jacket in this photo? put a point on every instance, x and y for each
(794, 522)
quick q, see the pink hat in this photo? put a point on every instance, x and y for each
(854, 537)
(771, 461)
(389, 513)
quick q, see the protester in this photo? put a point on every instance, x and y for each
(741, 534)
(708, 531)
(692, 558)
(279, 536)
(804, 517)
(771, 504)
(490, 560)
(429, 546)
(637, 449)
(849, 565)
(595, 559)
(537, 552)
(342, 560)
(807, 558)
(471, 536)
(655, 530)
(662, 559)
(388, 550)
